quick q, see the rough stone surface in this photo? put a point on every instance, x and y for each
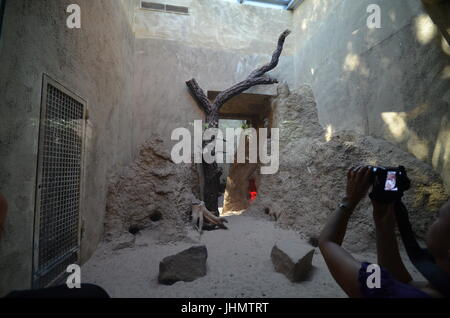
(236, 198)
(153, 193)
(292, 261)
(312, 175)
(126, 240)
(186, 266)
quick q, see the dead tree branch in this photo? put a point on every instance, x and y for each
(212, 109)
(257, 77)
(239, 88)
(199, 95)
(275, 57)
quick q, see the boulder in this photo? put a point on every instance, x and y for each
(292, 262)
(151, 189)
(186, 266)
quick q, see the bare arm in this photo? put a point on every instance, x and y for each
(341, 263)
(387, 245)
(343, 267)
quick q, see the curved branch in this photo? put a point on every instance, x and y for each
(199, 95)
(239, 88)
(255, 78)
(275, 57)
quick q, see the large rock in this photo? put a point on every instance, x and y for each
(312, 176)
(186, 266)
(152, 190)
(292, 262)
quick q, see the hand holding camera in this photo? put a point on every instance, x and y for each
(388, 186)
(358, 184)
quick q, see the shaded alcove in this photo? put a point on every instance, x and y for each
(240, 181)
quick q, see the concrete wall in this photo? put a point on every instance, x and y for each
(218, 24)
(96, 62)
(219, 43)
(392, 82)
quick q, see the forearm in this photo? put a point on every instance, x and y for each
(343, 267)
(388, 251)
(336, 227)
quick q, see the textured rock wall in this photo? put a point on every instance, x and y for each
(312, 176)
(153, 190)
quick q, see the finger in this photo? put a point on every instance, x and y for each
(353, 171)
(367, 174)
(350, 173)
(363, 175)
(358, 172)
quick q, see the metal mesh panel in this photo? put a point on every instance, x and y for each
(59, 185)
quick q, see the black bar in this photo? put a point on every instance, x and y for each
(2, 12)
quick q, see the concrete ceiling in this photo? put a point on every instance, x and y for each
(245, 104)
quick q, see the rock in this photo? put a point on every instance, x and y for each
(283, 261)
(186, 266)
(126, 240)
(151, 189)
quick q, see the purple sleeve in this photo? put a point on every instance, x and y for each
(389, 286)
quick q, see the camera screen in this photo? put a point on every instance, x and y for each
(391, 181)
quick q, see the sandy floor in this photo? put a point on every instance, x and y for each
(239, 265)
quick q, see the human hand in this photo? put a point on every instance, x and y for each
(358, 184)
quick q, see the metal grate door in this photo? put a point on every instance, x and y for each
(58, 194)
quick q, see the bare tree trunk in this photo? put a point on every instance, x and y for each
(212, 172)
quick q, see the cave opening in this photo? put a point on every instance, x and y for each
(240, 181)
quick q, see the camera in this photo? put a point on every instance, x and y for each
(389, 184)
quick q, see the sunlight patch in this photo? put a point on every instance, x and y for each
(426, 30)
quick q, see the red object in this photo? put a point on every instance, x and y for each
(252, 190)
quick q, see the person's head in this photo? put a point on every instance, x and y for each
(438, 238)
(3, 211)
